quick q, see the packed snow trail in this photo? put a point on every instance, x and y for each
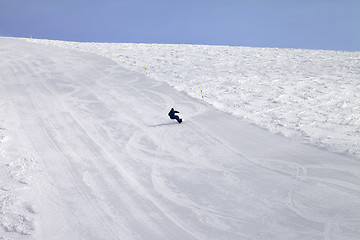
(107, 163)
(309, 95)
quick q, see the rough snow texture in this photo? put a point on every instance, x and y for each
(310, 95)
(88, 152)
(18, 170)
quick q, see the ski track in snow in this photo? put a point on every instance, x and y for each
(309, 95)
(87, 152)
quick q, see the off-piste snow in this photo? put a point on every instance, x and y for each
(87, 151)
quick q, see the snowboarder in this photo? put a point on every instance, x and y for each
(173, 116)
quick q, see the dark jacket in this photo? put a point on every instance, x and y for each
(172, 113)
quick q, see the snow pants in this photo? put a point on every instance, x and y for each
(176, 117)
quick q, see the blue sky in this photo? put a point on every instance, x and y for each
(310, 24)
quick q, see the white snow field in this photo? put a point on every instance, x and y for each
(309, 95)
(87, 152)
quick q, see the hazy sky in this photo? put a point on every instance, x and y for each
(311, 24)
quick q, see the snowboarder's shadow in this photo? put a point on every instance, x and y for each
(163, 124)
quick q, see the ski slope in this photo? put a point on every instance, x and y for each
(87, 152)
(312, 96)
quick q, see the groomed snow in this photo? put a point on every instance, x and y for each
(87, 150)
(309, 95)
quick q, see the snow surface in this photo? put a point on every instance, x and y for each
(309, 95)
(87, 150)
